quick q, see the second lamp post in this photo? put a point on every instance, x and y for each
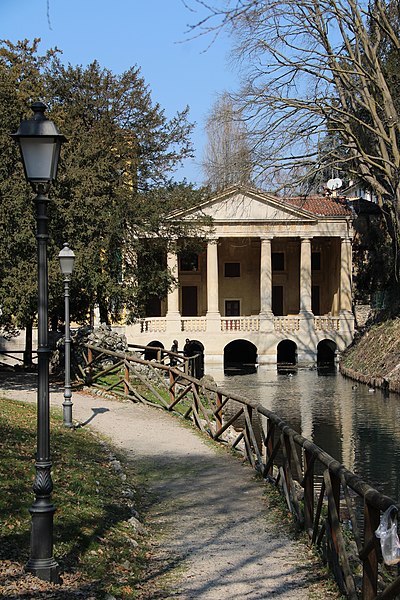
(67, 258)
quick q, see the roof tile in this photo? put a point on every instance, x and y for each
(321, 205)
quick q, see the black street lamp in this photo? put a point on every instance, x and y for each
(67, 259)
(40, 142)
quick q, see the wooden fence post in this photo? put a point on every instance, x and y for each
(196, 407)
(335, 481)
(90, 367)
(172, 392)
(218, 415)
(370, 562)
(269, 446)
(308, 492)
(287, 450)
(126, 379)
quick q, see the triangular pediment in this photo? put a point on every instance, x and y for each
(244, 205)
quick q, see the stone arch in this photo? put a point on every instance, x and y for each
(152, 354)
(240, 356)
(286, 354)
(326, 353)
(196, 348)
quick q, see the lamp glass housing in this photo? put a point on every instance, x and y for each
(67, 258)
(40, 157)
(39, 142)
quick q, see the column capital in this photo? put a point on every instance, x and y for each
(266, 238)
(172, 246)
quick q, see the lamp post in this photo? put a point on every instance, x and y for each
(40, 142)
(67, 258)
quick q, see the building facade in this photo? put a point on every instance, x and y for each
(273, 283)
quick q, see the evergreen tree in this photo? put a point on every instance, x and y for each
(114, 182)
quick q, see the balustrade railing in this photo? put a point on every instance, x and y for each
(326, 323)
(193, 324)
(287, 324)
(153, 325)
(321, 493)
(240, 324)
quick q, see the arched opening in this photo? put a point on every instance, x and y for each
(240, 357)
(196, 349)
(152, 354)
(326, 354)
(286, 357)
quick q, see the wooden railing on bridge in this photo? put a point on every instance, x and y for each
(320, 492)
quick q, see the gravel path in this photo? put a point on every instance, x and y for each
(209, 503)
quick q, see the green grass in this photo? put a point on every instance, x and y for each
(92, 537)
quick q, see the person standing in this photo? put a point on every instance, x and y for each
(186, 348)
(174, 348)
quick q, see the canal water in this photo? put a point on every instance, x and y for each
(354, 424)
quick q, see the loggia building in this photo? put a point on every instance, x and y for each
(272, 285)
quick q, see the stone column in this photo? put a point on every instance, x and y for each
(173, 316)
(305, 277)
(213, 314)
(266, 278)
(345, 275)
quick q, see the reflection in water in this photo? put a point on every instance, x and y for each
(358, 427)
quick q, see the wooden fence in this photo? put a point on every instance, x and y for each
(338, 511)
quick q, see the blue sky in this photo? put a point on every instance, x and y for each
(122, 33)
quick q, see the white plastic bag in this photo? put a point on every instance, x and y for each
(387, 533)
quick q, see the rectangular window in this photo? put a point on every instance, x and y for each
(315, 261)
(189, 301)
(278, 261)
(232, 269)
(232, 308)
(189, 261)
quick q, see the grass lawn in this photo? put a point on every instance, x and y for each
(100, 549)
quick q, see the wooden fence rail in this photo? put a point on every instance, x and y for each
(320, 492)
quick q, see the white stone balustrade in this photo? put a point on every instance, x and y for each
(240, 324)
(193, 324)
(155, 325)
(326, 324)
(286, 324)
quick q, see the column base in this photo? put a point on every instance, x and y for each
(213, 321)
(173, 323)
(266, 321)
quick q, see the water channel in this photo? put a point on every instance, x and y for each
(357, 426)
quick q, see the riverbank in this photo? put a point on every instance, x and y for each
(374, 358)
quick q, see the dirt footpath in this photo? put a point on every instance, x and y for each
(215, 517)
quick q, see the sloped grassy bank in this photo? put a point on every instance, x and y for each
(374, 358)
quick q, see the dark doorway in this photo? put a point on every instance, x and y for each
(189, 301)
(326, 353)
(286, 355)
(277, 300)
(240, 357)
(315, 300)
(152, 354)
(195, 350)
